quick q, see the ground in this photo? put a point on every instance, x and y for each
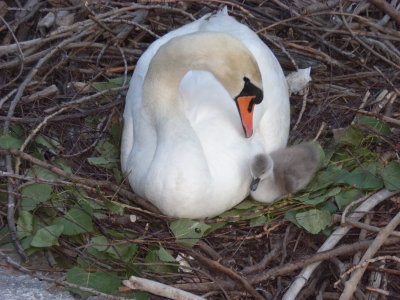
(65, 66)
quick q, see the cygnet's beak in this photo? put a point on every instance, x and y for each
(254, 184)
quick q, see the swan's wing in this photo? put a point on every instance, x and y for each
(133, 104)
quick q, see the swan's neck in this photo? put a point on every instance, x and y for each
(218, 53)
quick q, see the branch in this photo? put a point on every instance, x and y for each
(159, 289)
(387, 8)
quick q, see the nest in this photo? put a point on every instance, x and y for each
(65, 68)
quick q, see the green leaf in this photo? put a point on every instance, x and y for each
(328, 206)
(350, 136)
(291, 216)
(165, 256)
(391, 176)
(35, 194)
(246, 204)
(116, 130)
(117, 175)
(111, 205)
(321, 152)
(47, 236)
(63, 164)
(258, 221)
(344, 198)
(7, 141)
(213, 227)
(188, 232)
(107, 163)
(364, 179)
(375, 125)
(47, 143)
(41, 173)
(321, 180)
(25, 224)
(17, 130)
(102, 282)
(322, 198)
(114, 207)
(314, 220)
(76, 220)
(156, 264)
(120, 251)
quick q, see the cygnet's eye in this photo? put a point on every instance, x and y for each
(263, 172)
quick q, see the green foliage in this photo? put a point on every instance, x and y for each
(8, 141)
(375, 125)
(188, 232)
(350, 136)
(25, 224)
(76, 220)
(112, 83)
(391, 176)
(47, 236)
(35, 194)
(313, 220)
(349, 171)
(157, 259)
(118, 252)
(109, 155)
(99, 281)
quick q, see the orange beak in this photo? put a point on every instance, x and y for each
(246, 107)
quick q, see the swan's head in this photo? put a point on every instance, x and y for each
(261, 167)
(236, 68)
(225, 56)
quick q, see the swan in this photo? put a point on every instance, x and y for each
(282, 172)
(202, 100)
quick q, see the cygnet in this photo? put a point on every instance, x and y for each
(282, 172)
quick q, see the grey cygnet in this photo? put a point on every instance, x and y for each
(282, 172)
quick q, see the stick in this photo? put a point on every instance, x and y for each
(159, 289)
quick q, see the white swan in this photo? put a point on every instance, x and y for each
(282, 172)
(184, 146)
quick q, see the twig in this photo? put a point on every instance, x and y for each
(220, 268)
(159, 289)
(348, 221)
(323, 125)
(390, 294)
(303, 108)
(284, 253)
(387, 8)
(379, 116)
(354, 203)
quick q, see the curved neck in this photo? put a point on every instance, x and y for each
(219, 53)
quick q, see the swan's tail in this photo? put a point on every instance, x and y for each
(223, 11)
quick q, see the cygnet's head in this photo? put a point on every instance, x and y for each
(261, 167)
(292, 169)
